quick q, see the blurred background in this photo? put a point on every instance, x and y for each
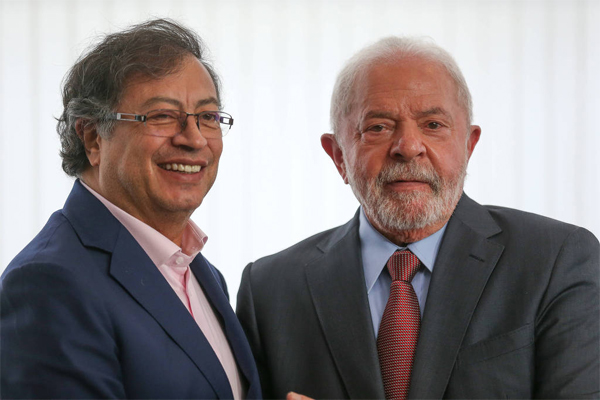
(532, 66)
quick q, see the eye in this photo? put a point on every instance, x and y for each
(209, 116)
(161, 117)
(375, 128)
(376, 132)
(434, 125)
(378, 129)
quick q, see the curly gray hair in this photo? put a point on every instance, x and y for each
(94, 85)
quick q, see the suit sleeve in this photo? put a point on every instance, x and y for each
(247, 315)
(56, 337)
(568, 324)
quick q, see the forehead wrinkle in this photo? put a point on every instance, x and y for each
(380, 114)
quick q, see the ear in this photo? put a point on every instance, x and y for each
(473, 138)
(333, 149)
(91, 140)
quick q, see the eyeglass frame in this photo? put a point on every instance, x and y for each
(144, 117)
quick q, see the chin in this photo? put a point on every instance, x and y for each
(182, 204)
(407, 212)
(397, 212)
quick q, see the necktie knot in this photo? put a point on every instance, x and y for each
(403, 265)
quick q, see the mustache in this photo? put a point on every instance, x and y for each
(410, 172)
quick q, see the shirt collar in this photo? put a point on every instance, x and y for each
(376, 249)
(157, 246)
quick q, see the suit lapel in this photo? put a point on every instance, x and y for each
(464, 263)
(138, 275)
(337, 286)
(132, 268)
(207, 278)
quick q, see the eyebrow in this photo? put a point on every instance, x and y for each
(177, 103)
(433, 111)
(417, 114)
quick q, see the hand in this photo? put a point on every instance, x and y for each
(296, 396)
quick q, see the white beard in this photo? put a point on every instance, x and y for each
(396, 212)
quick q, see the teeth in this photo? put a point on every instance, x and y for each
(189, 169)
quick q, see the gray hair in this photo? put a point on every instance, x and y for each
(393, 49)
(95, 84)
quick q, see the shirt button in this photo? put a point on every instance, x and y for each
(179, 260)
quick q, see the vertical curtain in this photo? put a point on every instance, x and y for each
(532, 67)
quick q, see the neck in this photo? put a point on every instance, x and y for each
(169, 225)
(404, 237)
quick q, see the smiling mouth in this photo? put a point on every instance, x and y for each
(187, 169)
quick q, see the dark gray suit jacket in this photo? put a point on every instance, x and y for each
(512, 312)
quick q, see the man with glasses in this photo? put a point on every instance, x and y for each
(424, 294)
(113, 299)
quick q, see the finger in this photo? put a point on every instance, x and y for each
(296, 396)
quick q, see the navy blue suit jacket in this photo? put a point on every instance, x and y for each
(86, 314)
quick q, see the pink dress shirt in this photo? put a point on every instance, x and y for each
(174, 263)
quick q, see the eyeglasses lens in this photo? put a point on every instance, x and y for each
(169, 123)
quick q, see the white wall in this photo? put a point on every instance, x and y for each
(532, 67)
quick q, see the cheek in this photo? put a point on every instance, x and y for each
(448, 160)
(135, 156)
(134, 161)
(217, 149)
(370, 162)
(111, 156)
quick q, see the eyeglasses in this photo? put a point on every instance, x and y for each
(168, 123)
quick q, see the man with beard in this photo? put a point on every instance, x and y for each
(424, 293)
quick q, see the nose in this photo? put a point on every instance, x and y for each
(407, 143)
(191, 135)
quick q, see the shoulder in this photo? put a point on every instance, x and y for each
(53, 270)
(313, 246)
(516, 227)
(53, 296)
(56, 253)
(545, 247)
(523, 225)
(513, 217)
(310, 248)
(56, 243)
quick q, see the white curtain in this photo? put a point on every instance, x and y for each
(532, 66)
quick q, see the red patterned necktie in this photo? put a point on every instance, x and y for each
(399, 328)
